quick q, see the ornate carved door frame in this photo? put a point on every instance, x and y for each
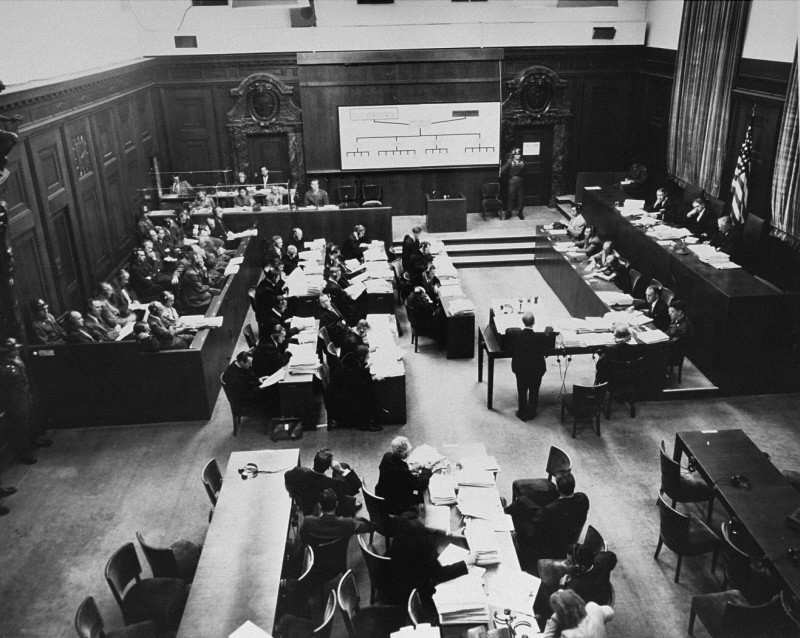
(264, 105)
(536, 98)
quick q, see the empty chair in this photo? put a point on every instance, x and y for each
(160, 600)
(415, 611)
(543, 490)
(372, 195)
(211, 478)
(347, 195)
(744, 572)
(89, 624)
(622, 379)
(667, 295)
(290, 625)
(377, 513)
(179, 560)
(377, 621)
(490, 199)
(379, 570)
(295, 593)
(397, 267)
(249, 336)
(635, 277)
(727, 614)
(683, 486)
(685, 535)
(586, 401)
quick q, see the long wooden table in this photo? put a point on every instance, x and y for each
(239, 574)
(745, 327)
(762, 509)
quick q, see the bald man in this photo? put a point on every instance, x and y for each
(527, 350)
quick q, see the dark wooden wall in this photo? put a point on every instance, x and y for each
(73, 193)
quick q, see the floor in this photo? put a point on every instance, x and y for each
(96, 487)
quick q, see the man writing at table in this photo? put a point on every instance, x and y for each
(527, 350)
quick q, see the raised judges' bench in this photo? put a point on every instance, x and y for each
(113, 383)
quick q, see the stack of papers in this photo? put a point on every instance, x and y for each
(461, 601)
(615, 298)
(487, 463)
(272, 379)
(480, 502)
(442, 490)
(564, 246)
(598, 339)
(556, 231)
(375, 254)
(668, 232)
(482, 541)
(198, 322)
(461, 306)
(452, 554)
(451, 290)
(378, 286)
(630, 318)
(304, 358)
(311, 268)
(354, 291)
(514, 590)
(474, 477)
(250, 232)
(444, 266)
(424, 456)
(309, 255)
(422, 630)
(651, 336)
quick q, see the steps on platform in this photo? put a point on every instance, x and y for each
(493, 259)
(564, 205)
(494, 248)
(473, 250)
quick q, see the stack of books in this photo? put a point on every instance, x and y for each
(461, 601)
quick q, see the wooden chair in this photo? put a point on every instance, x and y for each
(623, 377)
(376, 508)
(239, 411)
(417, 328)
(683, 486)
(330, 559)
(415, 611)
(586, 401)
(89, 624)
(635, 277)
(295, 593)
(379, 569)
(557, 461)
(160, 600)
(397, 267)
(366, 622)
(675, 357)
(727, 614)
(371, 194)
(292, 625)
(594, 540)
(346, 195)
(490, 199)
(211, 478)
(179, 560)
(667, 295)
(745, 572)
(249, 336)
(685, 535)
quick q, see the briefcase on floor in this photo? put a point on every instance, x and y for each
(286, 428)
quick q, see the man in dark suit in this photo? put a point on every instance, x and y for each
(410, 245)
(680, 328)
(342, 335)
(527, 350)
(306, 484)
(354, 244)
(655, 308)
(547, 532)
(701, 221)
(328, 527)
(291, 260)
(728, 238)
(242, 386)
(402, 489)
(271, 354)
(123, 295)
(76, 333)
(622, 350)
(665, 208)
(266, 296)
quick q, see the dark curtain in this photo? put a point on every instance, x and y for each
(786, 176)
(709, 49)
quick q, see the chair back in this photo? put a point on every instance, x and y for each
(623, 375)
(791, 607)
(324, 374)
(161, 559)
(249, 336)
(415, 611)
(348, 204)
(308, 563)
(324, 630)
(667, 295)
(88, 621)
(753, 620)
(346, 193)
(330, 559)
(379, 569)
(376, 505)
(737, 563)
(656, 283)
(349, 601)
(635, 277)
(490, 190)
(251, 297)
(121, 569)
(674, 526)
(371, 193)
(594, 541)
(212, 480)
(397, 266)
(589, 397)
(670, 475)
(235, 407)
(557, 461)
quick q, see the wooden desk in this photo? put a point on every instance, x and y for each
(240, 569)
(443, 215)
(762, 509)
(459, 333)
(745, 327)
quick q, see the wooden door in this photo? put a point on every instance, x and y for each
(270, 150)
(536, 143)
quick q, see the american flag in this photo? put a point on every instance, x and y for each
(740, 175)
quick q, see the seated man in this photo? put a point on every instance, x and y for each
(315, 196)
(169, 338)
(271, 354)
(654, 307)
(576, 227)
(291, 260)
(306, 484)
(203, 203)
(280, 316)
(144, 276)
(95, 325)
(342, 335)
(328, 526)
(181, 187)
(633, 184)
(243, 199)
(402, 488)
(601, 259)
(701, 221)
(728, 238)
(144, 339)
(590, 243)
(123, 295)
(622, 350)
(297, 240)
(111, 314)
(242, 387)
(46, 329)
(350, 397)
(169, 316)
(196, 294)
(680, 328)
(425, 316)
(418, 263)
(354, 244)
(548, 531)
(76, 332)
(273, 250)
(664, 208)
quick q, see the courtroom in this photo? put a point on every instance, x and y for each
(396, 318)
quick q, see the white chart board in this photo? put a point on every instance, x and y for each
(419, 135)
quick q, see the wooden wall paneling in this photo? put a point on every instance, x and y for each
(33, 274)
(59, 221)
(91, 221)
(604, 124)
(224, 102)
(127, 131)
(120, 223)
(191, 131)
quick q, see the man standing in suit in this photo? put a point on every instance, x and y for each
(655, 308)
(527, 350)
(411, 245)
(354, 244)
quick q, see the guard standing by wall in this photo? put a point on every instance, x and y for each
(513, 170)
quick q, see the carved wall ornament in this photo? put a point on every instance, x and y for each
(536, 98)
(265, 105)
(80, 149)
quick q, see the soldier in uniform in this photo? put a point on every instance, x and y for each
(15, 401)
(45, 327)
